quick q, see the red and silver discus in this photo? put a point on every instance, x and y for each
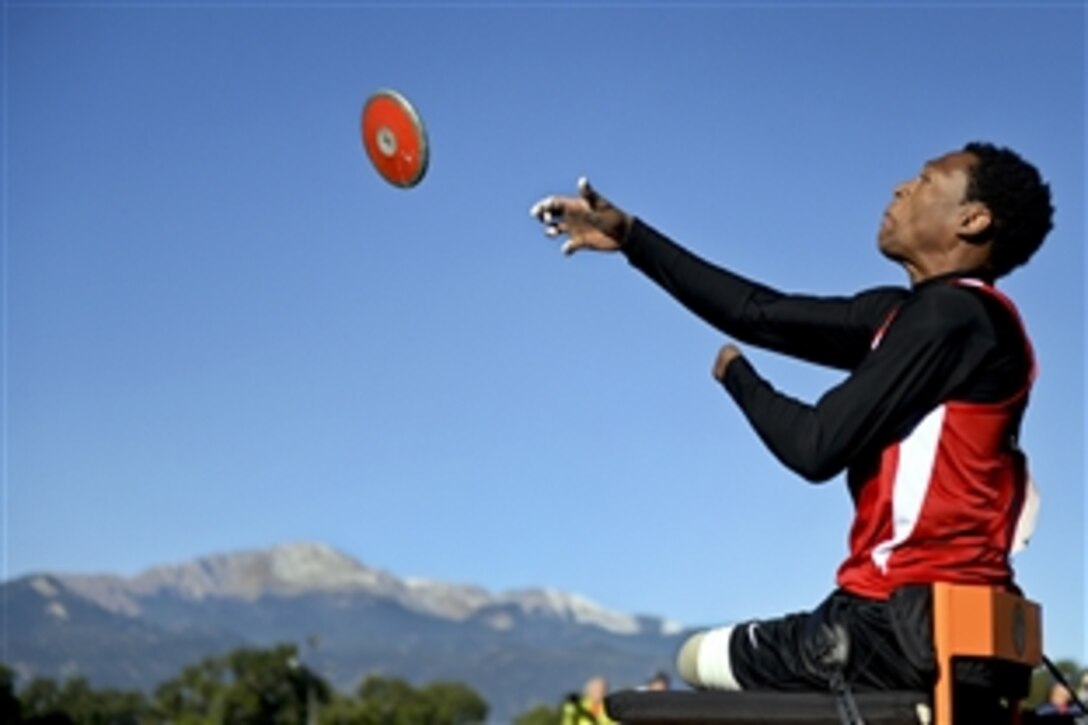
(394, 138)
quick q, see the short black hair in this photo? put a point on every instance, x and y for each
(1018, 200)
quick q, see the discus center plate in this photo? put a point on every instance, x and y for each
(387, 142)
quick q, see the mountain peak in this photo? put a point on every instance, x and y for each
(310, 568)
(290, 568)
(572, 607)
(307, 564)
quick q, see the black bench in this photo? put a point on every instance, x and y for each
(748, 708)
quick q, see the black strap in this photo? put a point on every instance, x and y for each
(844, 700)
(1057, 675)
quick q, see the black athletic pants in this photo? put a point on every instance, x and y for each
(879, 645)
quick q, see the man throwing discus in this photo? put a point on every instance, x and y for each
(925, 425)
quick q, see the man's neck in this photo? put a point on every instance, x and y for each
(919, 274)
(960, 258)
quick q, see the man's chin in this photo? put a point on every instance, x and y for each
(887, 247)
(883, 248)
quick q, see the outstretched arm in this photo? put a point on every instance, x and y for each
(833, 331)
(931, 349)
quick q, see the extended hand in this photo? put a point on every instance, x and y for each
(726, 355)
(589, 220)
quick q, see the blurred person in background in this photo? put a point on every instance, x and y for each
(588, 709)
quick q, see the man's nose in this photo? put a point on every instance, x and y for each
(901, 190)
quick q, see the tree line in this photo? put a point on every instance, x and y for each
(272, 686)
(248, 685)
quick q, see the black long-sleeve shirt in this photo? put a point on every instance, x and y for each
(942, 342)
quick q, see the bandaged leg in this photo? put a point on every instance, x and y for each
(703, 660)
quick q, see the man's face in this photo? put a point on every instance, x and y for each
(924, 215)
(596, 689)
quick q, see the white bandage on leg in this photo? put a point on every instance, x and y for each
(687, 659)
(703, 660)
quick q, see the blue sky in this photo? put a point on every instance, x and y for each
(224, 331)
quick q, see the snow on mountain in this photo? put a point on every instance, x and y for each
(307, 568)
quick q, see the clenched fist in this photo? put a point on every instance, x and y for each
(726, 355)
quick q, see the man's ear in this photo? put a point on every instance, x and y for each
(976, 222)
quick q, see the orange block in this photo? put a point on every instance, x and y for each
(980, 621)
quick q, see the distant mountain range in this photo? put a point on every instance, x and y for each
(517, 648)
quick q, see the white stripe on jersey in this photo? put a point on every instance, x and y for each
(913, 473)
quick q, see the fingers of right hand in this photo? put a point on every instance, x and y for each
(550, 209)
(542, 209)
(588, 192)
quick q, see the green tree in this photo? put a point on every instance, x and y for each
(271, 686)
(540, 715)
(40, 701)
(9, 703)
(121, 707)
(341, 710)
(195, 696)
(393, 701)
(245, 686)
(454, 703)
(75, 699)
(43, 702)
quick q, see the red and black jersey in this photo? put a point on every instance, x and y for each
(957, 479)
(926, 422)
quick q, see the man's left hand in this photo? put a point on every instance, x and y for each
(726, 355)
